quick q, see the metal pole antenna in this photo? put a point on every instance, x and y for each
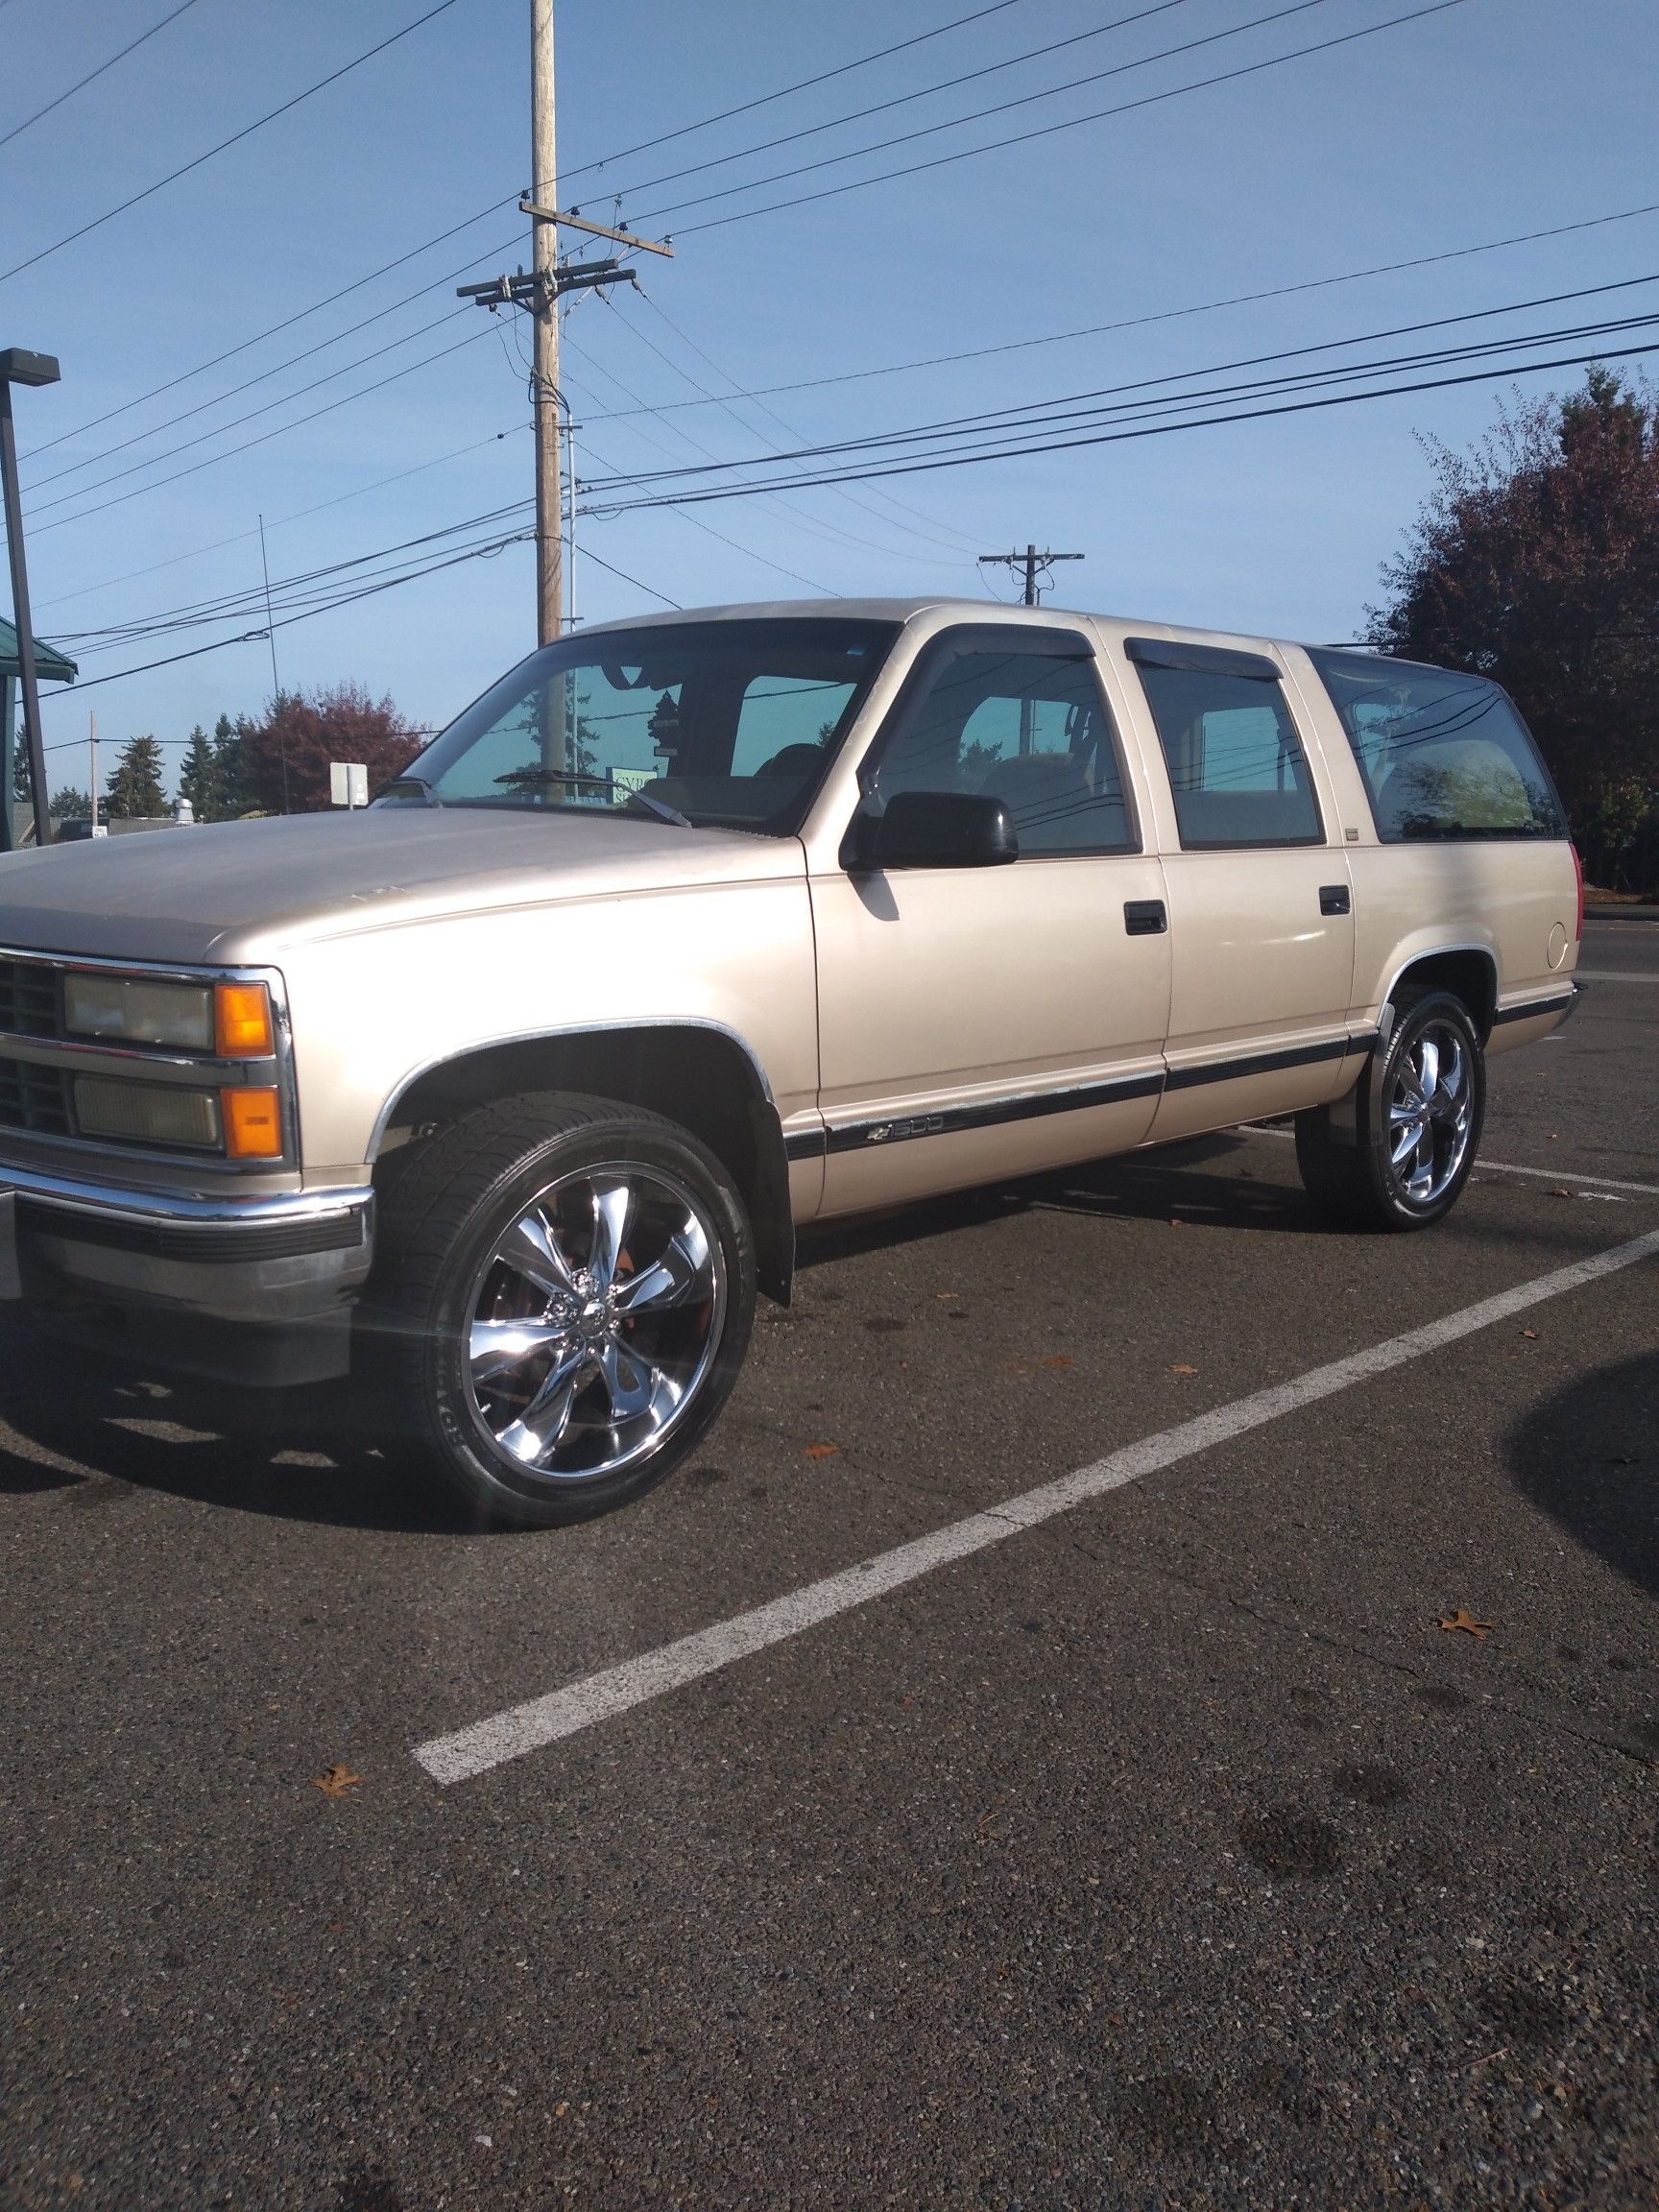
(544, 237)
(270, 639)
(25, 626)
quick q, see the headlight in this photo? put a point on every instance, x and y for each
(147, 1113)
(130, 1013)
(233, 1020)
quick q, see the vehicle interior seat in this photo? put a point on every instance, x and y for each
(796, 761)
(1053, 806)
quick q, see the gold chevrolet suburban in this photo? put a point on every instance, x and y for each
(698, 928)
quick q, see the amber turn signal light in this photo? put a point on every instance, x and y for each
(242, 1021)
(252, 1124)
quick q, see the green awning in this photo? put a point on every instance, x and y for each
(50, 665)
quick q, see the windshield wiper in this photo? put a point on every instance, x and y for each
(650, 803)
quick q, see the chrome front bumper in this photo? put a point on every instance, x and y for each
(291, 1256)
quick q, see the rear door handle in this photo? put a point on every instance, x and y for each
(1333, 898)
(1144, 917)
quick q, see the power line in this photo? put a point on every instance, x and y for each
(264, 375)
(236, 422)
(510, 200)
(805, 85)
(17, 128)
(1032, 414)
(1051, 130)
(265, 436)
(817, 527)
(276, 328)
(344, 599)
(924, 92)
(225, 144)
(892, 467)
(1141, 321)
(953, 541)
(587, 554)
(899, 367)
(1010, 418)
(299, 514)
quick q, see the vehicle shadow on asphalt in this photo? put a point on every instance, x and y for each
(320, 1454)
(1589, 1458)
(1162, 1185)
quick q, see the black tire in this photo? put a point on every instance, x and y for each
(446, 1206)
(1356, 1184)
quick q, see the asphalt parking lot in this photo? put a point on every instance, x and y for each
(1164, 1850)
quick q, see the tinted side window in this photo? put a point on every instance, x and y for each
(1443, 755)
(1235, 764)
(1030, 729)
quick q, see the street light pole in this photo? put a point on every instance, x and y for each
(17, 366)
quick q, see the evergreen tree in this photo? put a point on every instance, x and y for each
(70, 805)
(134, 789)
(231, 769)
(199, 779)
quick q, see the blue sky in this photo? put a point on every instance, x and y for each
(1490, 118)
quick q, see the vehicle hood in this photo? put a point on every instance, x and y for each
(239, 891)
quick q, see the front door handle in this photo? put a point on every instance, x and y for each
(1144, 917)
(1333, 898)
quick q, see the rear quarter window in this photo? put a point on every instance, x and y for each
(1442, 755)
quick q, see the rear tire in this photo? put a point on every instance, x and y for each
(1417, 1123)
(564, 1288)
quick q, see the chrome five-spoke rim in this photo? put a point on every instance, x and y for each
(594, 1321)
(1428, 1114)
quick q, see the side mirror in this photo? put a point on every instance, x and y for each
(933, 829)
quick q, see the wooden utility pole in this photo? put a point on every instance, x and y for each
(1035, 565)
(538, 293)
(544, 193)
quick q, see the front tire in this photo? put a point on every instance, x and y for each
(567, 1285)
(1417, 1124)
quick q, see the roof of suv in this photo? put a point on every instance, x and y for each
(905, 609)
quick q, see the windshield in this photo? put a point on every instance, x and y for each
(727, 724)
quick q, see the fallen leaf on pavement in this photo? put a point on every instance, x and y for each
(1464, 1620)
(1560, 1194)
(336, 1781)
(1180, 1367)
(821, 1450)
(1532, 1333)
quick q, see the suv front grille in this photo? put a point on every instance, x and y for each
(34, 1098)
(29, 1002)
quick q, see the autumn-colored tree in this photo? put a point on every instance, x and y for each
(284, 755)
(1535, 561)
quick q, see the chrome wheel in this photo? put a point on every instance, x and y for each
(594, 1321)
(1430, 1113)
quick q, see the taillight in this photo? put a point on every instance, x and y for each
(1578, 877)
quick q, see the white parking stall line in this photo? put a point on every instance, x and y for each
(616, 1690)
(1614, 975)
(1486, 1167)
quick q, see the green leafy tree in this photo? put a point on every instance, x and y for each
(134, 790)
(199, 778)
(70, 804)
(1535, 561)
